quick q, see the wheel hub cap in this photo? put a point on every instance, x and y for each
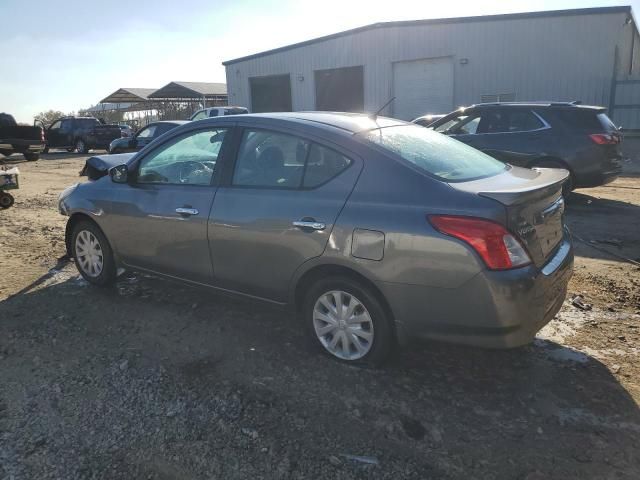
(343, 325)
(89, 253)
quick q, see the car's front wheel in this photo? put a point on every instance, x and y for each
(347, 321)
(92, 254)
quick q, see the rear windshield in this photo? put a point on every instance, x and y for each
(606, 122)
(435, 153)
(585, 119)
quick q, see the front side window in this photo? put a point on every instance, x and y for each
(200, 115)
(434, 153)
(460, 125)
(213, 112)
(189, 160)
(147, 132)
(56, 125)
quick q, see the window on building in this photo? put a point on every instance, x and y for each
(498, 97)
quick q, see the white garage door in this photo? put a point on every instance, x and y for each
(422, 86)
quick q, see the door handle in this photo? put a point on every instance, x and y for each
(186, 211)
(313, 225)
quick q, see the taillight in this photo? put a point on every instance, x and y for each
(42, 139)
(605, 138)
(498, 248)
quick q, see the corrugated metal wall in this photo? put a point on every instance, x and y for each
(550, 58)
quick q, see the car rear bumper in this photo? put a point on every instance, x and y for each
(494, 309)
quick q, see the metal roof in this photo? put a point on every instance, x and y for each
(128, 95)
(198, 90)
(440, 21)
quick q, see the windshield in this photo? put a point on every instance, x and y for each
(435, 154)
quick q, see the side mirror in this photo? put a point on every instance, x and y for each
(119, 174)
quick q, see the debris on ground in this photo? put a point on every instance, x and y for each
(578, 302)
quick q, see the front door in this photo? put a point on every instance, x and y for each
(160, 220)
(53, 134)
(144, 137)
(278, 210)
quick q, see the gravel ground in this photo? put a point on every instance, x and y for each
(154, 380)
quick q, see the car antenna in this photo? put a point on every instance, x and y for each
(373, 116)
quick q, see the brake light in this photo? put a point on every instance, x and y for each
(605, 138)
(42, 139)
(498, 248)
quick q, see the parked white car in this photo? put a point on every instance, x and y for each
(217, 112)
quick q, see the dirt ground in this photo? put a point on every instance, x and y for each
(153, 380)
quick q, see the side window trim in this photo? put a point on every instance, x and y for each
(220, 161)
(545, 126)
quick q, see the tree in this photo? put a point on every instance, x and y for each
(48, 117)
(109, 116)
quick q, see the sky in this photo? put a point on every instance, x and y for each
(69, 54)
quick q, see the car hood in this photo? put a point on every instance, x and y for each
(99, 165)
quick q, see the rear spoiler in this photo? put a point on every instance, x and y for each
(536, 183)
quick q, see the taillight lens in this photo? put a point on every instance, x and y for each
(498, 248)
(605, 138)
(42, 139)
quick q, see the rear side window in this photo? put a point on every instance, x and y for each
(269, 159)
(87, 122)
(276, 160)
(606, 122)
(580, 119)
(322, 165)
(434, 153)
(508, 121)
(213, 112)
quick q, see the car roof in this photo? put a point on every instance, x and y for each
(172, 122)
(548, 104)
(349, 122)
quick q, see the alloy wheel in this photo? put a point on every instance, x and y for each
(89, 253)
(343, 325)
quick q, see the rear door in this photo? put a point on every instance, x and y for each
(159, 222)
(277, 209)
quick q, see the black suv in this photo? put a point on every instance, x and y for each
(80, 134)
(579, 138)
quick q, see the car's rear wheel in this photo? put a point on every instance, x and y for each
(6, 200)
(81, 146)
(347, 321)
(92, 254)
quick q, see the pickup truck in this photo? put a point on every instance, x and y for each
(80, 134)
(15, 138)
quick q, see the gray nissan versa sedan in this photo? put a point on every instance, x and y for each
(375, 230)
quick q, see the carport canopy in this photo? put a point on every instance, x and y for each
(129, 95)
(190, 91)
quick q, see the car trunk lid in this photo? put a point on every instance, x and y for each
(533, 202)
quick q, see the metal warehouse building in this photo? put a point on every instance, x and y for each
(434, 66)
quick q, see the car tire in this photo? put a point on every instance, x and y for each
(92, 254)
(31, 157)
(6, 200)
(374, 333)
(81, 146)
(567, 187)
